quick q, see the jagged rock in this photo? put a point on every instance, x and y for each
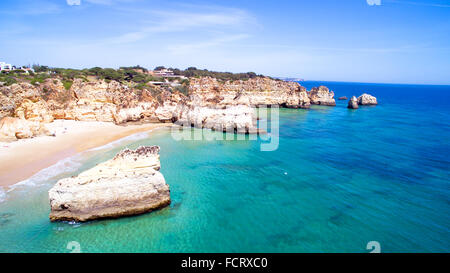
(353, 103)
(116, 102)
(343, 98)
(253, 92)
(15, 128)
(128, 184)
(227, 105)
(34, 110)
(237, 118)
(366, 99)
(322, 96)
(167, 111)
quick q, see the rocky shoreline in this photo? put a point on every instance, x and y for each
(210, 103)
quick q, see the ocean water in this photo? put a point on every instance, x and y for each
(339, 179)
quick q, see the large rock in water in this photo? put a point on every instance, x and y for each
(128, 184)
(366, 99)
(322, 96)
(353, 103)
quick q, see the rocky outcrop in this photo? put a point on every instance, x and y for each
(12, 96)
(15, 128)
(170, 106)
(35, 110)
(253, 92)
(343, 98)
(353, 103)
(128, 184)
(366, 99)
(233, 118)
(229, 105)
(210, 103)
(322, 96)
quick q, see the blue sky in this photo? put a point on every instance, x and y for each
(337, 40)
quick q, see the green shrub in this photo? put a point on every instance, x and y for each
(8, 80)
(67, 84)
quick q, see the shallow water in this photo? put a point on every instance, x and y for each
(339, 179)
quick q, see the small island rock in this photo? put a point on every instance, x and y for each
(366, 99)
(128, 184)
(322, 96)
(353, 103)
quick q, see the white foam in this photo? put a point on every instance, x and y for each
(2, 194)
(130, 138)
(70, 164)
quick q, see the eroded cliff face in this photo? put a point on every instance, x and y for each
(253, 92)
(128, 184)
(86, 101)
(229, 105)
(219, 105)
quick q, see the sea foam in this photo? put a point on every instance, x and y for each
(70, 164)
(130, 138)
(2, 194)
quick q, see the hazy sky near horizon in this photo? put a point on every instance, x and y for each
(338, 40)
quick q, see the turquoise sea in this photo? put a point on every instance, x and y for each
(339, 179)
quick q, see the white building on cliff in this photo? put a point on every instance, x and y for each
(5, 66)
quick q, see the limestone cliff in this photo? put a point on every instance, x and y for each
(210, 103)
(252, 92)
(128, 184)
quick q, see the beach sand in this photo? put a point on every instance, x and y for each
(22, 159)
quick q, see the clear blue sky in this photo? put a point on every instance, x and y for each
(340, 40)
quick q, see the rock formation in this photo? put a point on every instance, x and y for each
(210, 102)
(322, 96)
(253, 92)
(15, 128)
(353, 103)
(366, 99)
(128, 184)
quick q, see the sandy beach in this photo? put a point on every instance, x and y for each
(22, 159)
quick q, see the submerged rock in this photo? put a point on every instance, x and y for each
(128, 184)
(366, 99)
(353, 103)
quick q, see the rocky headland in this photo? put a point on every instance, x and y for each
(128, 184)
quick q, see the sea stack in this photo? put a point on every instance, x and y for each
(366, 99)
(128, 184)
(353, 103)
(322, 96)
